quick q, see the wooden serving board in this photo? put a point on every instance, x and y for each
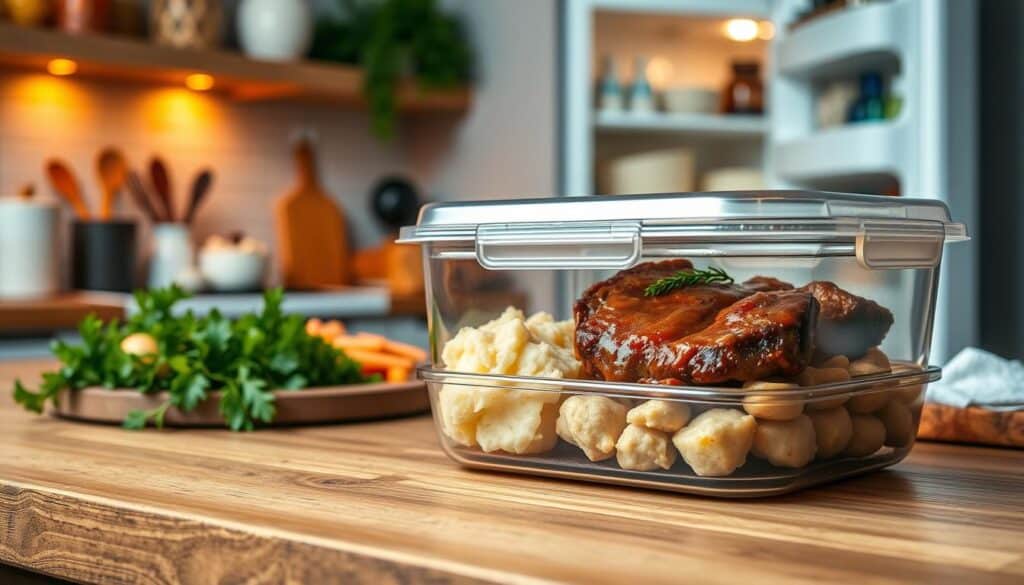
(941, 422)
(309, 406)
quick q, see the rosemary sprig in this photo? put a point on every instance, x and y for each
(687, 278)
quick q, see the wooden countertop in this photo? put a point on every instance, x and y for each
(380, 502)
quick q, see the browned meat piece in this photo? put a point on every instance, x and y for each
(847, 324)
(766, 284)
(698, 334)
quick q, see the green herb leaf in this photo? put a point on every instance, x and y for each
(687, 278)
(136, 420)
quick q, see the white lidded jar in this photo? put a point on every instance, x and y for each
(29, 256)
(172, 254)
(275, 30)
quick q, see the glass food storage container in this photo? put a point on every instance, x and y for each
(730, 344)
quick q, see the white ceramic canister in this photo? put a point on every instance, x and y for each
(276, 30)
(172, 254)
(29, 254)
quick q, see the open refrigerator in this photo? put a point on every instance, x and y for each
(922, 51)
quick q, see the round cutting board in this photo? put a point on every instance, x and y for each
(309, 406)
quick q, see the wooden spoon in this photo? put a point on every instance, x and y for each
(200, 187)
(141, 197)
(111, 167)
(162, 185)
(67, 186)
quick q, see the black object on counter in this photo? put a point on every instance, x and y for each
(103, 255)
(395, 202)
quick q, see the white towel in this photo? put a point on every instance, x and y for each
(976, 377)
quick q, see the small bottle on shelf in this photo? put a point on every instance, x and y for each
(609, 92)
(641, 95)
(870, 105)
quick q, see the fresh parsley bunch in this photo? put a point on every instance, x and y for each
(246, 359)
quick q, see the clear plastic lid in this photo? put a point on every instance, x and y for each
(615, 232)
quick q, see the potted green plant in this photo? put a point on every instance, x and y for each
(392, 39)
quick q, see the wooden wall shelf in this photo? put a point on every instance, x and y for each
(237, 76)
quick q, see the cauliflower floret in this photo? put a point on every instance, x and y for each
(789, 443)
(642, 449)
(660, 415)
(592, 423)
(717, 441)
(506, 419)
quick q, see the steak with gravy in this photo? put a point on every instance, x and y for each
(698, 334)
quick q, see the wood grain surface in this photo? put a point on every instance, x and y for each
(941, 422)
(379, 503)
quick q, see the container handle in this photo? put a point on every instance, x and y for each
(552, 246)
(881, 246)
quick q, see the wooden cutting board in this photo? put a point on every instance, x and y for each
(311, 233)
(941, 422)
(310, 406)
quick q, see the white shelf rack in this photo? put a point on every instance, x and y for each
(845, 43)
(716, 125)
(867, 148)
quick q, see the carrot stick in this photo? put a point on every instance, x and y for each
(396, 374)
(373, 359)
(313, 327)
(358, 342)
(412, 352)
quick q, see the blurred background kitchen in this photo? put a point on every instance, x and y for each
(230, 146)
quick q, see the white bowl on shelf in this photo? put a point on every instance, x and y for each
(690, 100)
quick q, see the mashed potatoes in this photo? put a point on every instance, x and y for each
(506, 419)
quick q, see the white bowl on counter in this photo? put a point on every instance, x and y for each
(232, 269)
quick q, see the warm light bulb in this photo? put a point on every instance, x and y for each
(659, 72)
(741, 29)
(765, 30)
(61, 67)
(199, 82)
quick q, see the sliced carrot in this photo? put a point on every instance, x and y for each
(374, 359)
(396, 374)
(332, 329)
(358, 342)
(412, 352)
(313, 327)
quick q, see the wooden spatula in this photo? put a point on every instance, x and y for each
(67, 186)
(112, 169)
(141, 197)
(311, 231)
(200, 187)
(162, 185)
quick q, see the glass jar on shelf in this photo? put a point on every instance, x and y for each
(744, 94)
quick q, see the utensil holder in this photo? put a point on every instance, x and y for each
(103, 255)
(172, 253)
(29, 257)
